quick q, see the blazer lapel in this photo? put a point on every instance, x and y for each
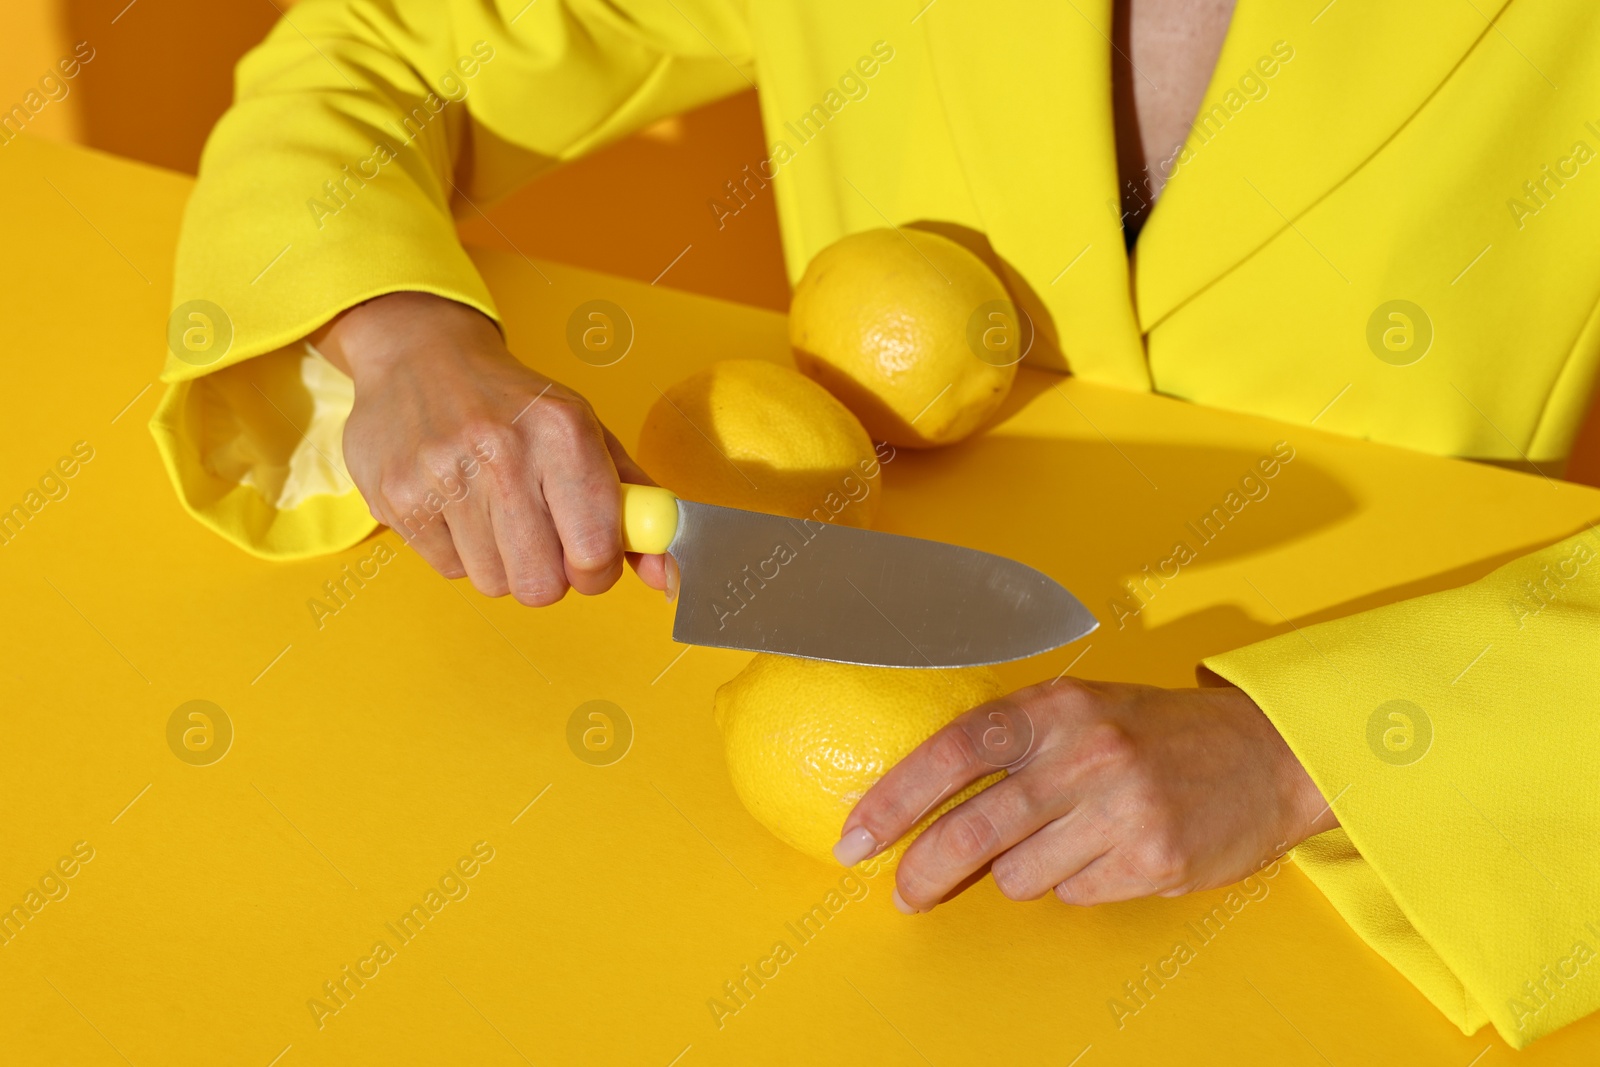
(1026, 89)
(1300, 99)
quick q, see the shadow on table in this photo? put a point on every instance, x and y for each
(1094, 516)
(1189, 639)
(1097, 512)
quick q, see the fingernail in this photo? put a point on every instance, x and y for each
(672, 579)
(854, 847)
(900, 902)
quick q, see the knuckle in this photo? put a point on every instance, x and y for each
(541, 594)
(393, 487)
(1164, 859)
(1003, 736)
(1070, 688)
(1107, 744)
(915, 888)
(491, 587)
(439, 471)
(951, 752)
(592, 546)
(566, 418)
(1066, 696)
(593, 583)
(1014, 877)
(1041, 794)
(969, 835)
(1070, 892)
(485, 572)
(524, 550)
(534, 581)
(411, 504)
(483, 439)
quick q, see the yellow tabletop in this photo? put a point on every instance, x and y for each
(399, 771)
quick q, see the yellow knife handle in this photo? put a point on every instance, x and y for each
(649, 518)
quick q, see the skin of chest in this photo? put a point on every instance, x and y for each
(1164, 52)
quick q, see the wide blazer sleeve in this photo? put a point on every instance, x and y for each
(1458, 736)
(359, 130)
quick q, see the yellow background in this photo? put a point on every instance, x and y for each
(162, 74)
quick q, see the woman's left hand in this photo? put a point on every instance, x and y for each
(1114, 791)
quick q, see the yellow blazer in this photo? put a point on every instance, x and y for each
(1385, 221)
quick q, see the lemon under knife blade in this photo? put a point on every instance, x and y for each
(799, 587)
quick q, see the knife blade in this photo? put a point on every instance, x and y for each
(800, 587)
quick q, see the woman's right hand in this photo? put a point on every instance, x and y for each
(485, 467)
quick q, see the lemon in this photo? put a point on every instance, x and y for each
(912, 331)
(746, 433)
(805, 739)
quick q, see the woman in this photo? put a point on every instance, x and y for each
(1352, 189)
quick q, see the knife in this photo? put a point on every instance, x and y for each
(799, 587)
